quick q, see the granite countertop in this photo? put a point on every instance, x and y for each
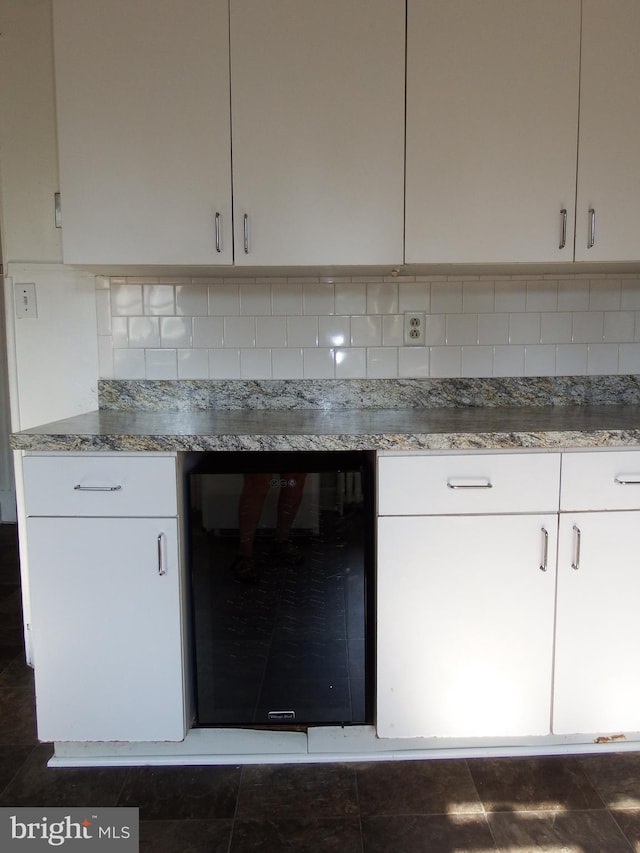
(563, 426)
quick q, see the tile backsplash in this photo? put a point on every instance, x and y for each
(353, 327)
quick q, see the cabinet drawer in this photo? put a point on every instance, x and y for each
(600, 480)
(110, 485)
(473, 483)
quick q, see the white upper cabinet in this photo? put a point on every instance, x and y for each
(143, 130)
(492, 119)
(609, 153)
(318, 118)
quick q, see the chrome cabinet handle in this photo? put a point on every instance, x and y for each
(592, 228)
(577, 541)
(627, 480)
(245, 226)
(563, 228)
(162, 569)
(218, 249)
(545, 550)
(469, 484)
(81, 488)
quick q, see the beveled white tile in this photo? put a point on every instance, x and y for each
(318, 298)
(619, 326)
(478, 297)
(128, 364)
(413, 362)
(445, 362)
(120, 332)
(508, 361)
(540, 360)
(392, 330)
(629, 358)
(382, 297)
(176, 331)
(556, 327)
(630, 294)
(302, 331)
(255, 300)
(524, 328)
(604, 295)
(208, 332)
(573, 295)
(446, 297)
(510, 296)
(271, 332)
(286, 299)
(542, 296)
(602, 359)
(126, 300)
(193, 364)
(287, 363)
(587, 327)
(493, 329)
(350, 363)
(382, 362)
(334, 331)
(435, 330)
(571, 360)
(351, 298)
(224, 300)
(414, 296)
(158, 299)
(318, 363)
(160, 364)
(462, 329)
(224, 364)
(144, 332)
(366, 331)
(239, 332)
(477, 361)
(192, 299)
(255, 364)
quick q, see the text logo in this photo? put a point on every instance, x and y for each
(32, 829)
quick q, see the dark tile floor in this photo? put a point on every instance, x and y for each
(587, 804)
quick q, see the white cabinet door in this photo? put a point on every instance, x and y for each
(106, 629)
(609, 154)
(318, 143)
(492, 122)
(596, 684)
(144, 130)
(465, 625)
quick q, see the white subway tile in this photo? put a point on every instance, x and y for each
(255, 300)
(435, 330)
(477, 361)
(318, 363)
(192, 299)
(193, 364)
(302, 331)
(413, 362)
(462, 329)
(224, 363)
(508, 361)
(350, 363)
(318, 299)
(524, 328)
(102, 282)
(573, 295)
(604, 295)
(208, 332)
(120, 332)
(287, 363)
(392, 330)
(629, 358)
(446, 297)
(239, 332)
(351, 298)
(556, 328)
(103, 312)
(540, 360)
(144, 332)
(630, 294)
(224, 300)
(542, 296)
(619, 326)
(602, 359)
(382, 362)
(587, 327)
(382, 298)
(160, 364)
(126, 300)
(255, 364)
(158, 299)
(334, 331)
(571, 360)
(493, 329)
(105, 357)
(128, 364)
(286, 299)
(414, 297)
(366, 331)
(478, 297)
(445, 361)
(271, 332)
(176, 331)
(511, 296)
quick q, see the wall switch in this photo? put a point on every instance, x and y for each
(25, 296)
(414, 326)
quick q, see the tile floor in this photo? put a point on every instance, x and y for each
(588, 804)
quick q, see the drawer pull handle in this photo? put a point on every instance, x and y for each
(469, 484)
(80, 488)
(162, 569)
(628, 480)
(577, 541)
(545, 550)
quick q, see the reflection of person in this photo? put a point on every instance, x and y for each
(250, 505)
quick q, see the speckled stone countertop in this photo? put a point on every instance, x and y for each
(570, 426)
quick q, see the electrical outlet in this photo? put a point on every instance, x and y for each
(25, 296)
(414, 323)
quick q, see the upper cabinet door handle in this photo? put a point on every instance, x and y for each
(592, 228)
(245, 226)
(217, 226)
(563, 228)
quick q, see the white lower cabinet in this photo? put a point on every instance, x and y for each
(465, 625)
